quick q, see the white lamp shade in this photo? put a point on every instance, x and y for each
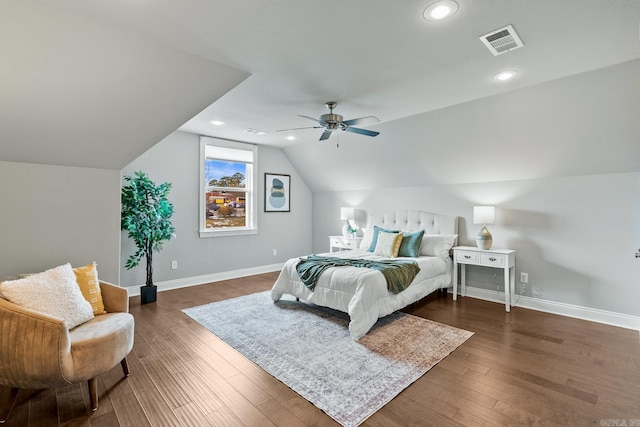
(484, 214)
(347, 213)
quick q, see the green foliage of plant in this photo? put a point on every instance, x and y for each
(146, 216)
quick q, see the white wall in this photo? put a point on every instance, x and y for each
(575, 236)
(176, 160)
(51, 215)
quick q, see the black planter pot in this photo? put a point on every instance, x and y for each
(148, 294)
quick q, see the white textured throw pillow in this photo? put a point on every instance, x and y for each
(437, 244)
(53, 292)
(388, 244)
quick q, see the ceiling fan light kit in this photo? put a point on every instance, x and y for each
(331, 121)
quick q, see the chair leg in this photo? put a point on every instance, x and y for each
(93, 393)
(125, 367)
(4, 412)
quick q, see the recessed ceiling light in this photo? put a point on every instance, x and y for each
(440, 10)
(216, 122)
(503, 76)
(291, 137)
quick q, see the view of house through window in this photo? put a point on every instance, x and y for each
(226, 195)
(228, 187)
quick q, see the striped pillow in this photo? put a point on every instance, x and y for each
(87, 279)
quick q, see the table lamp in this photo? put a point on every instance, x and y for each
(347, 214)
(484, 215)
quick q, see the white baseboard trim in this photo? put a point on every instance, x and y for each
(207, 278)
(568, 310)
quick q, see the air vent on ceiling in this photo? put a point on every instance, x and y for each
(502, 40)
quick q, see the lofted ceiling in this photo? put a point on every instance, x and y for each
(96, 83)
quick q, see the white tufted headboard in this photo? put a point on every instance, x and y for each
(411, 220)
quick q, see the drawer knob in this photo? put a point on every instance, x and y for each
(467, 256)
(492, 259)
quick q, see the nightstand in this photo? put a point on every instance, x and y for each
(496, 258)
(344, 243)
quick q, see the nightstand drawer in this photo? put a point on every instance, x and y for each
(343, 243)
(492, 259)
(467, 256)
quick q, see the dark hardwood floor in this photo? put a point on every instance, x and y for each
(520, 368)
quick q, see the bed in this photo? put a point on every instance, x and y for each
(362, 292)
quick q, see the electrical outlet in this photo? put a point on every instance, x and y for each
(524, 278)
(275, 252)
(174, 265)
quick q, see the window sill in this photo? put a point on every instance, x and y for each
(227, 232)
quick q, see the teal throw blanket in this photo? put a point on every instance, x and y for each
(399, 273)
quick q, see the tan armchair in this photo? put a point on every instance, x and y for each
(37, 351)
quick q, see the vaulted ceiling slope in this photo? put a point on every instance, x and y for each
(76, 91)
(579, 125)
(95, 83)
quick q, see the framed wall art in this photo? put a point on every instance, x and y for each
(277, 192)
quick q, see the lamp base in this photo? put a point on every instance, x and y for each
(484, 239)
(345, 230)
(348, 230)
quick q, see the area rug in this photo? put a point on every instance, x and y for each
(309, 349)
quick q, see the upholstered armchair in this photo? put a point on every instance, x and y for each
(37, 351)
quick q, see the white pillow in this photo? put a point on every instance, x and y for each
(367, 238)
(388, 244)
(53, 292)
(437, 244)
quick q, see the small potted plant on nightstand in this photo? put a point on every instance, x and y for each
(146, 216)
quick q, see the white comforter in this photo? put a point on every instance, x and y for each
(362, 292)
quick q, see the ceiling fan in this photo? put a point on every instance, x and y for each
(330, 122)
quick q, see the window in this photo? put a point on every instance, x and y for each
(228, 188)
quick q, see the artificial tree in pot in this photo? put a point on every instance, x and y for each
(146, 216)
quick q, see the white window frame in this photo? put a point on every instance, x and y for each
(251, 189)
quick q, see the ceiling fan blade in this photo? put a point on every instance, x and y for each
(310, 118)
(362, 121)
(308, 127)
(325, 135)
(362, 131)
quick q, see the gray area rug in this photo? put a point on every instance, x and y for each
(310, 350)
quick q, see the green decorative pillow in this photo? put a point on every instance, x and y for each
(374, 239)
(410, 246)
(388, 244)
